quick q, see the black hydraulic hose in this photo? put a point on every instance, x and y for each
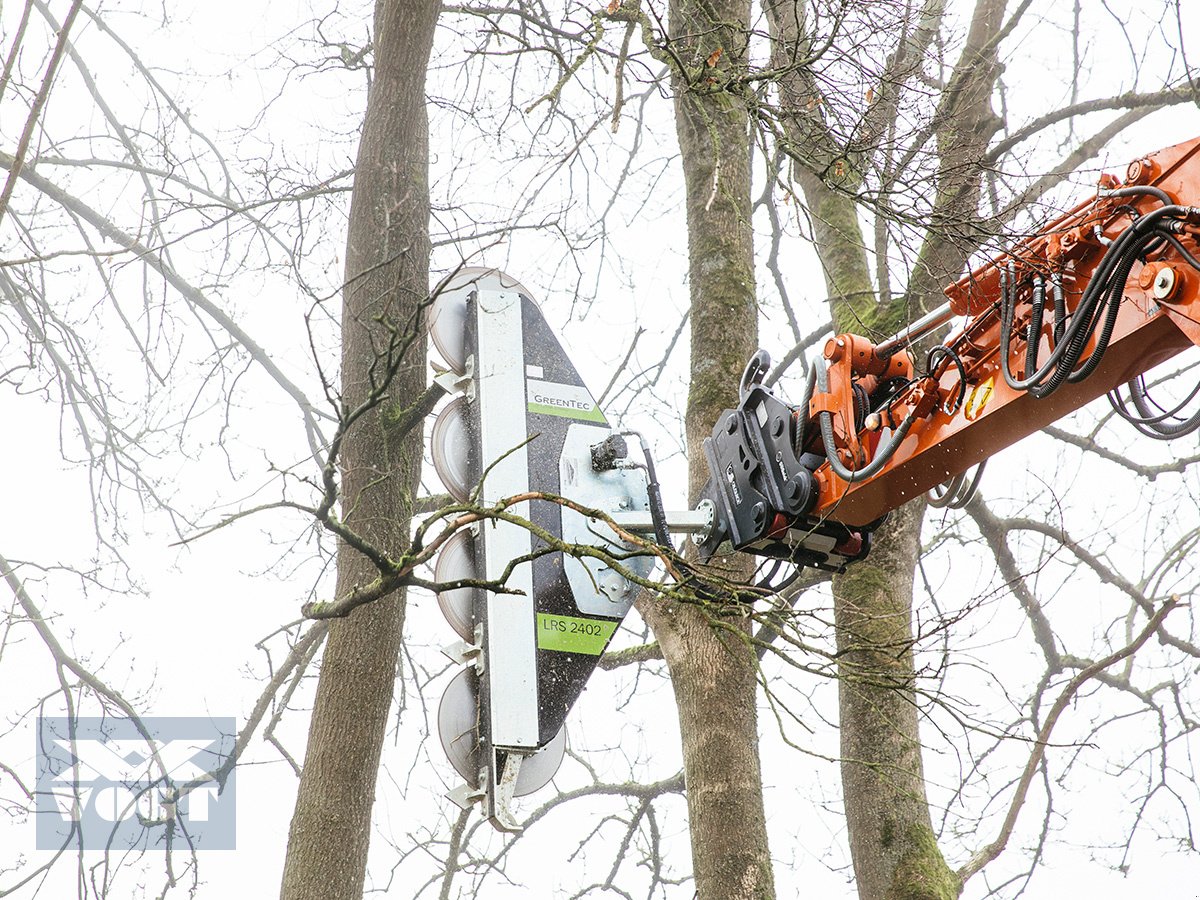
(658, 514)
(1137, 189)
(941, 496)
(1067, 350)
(1148, 422)
(1141, 398)
(1065, 353)
(1102, 297)
(1161, 429)
(1149, 220)
(1182, 251)
(1078, 339)
(1152, 430)
(1115, 288)
(1034, 335)
(931, 362)
(882, 454)
(1098, 307)
(1060, 307)
(861, 401)
(1110, 280)
(972, 489)
(1116, 293)
(1113, 294)
(958, 492)
(802, 419)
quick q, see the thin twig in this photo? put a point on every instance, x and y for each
(996, 847)
(35, 111)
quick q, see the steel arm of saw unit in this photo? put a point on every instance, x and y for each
(880, 424)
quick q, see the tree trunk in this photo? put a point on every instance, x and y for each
(892, 844)
(713, 668)
(387, 277)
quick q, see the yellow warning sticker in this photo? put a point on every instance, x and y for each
(979, 397)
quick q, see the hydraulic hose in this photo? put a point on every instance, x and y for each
(1034, 334)
(802, 419)
(1141, 400)
(882, 454)
(942, 496)
(1098, 307)
(1164, 429)
(1060, 307)
(1137, 189)
(1066, 351)
(956, 493)
(1155, 425)
(933, 360)
(658, 516)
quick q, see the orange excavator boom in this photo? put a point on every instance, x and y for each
(1088, 303)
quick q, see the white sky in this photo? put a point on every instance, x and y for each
(183, 643)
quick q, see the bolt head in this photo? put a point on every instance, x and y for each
(1164, 283)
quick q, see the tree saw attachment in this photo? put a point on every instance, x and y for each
(1082, 306)
(520, 433)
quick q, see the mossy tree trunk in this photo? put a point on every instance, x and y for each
(893, 847)
(387, 278)
(713, 668)
(892, 843)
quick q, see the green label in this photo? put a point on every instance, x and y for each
(569, 634)
(567, 400)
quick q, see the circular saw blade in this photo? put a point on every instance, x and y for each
(537, 770)
(458, 725)
(458, 731)
(447, 318)
(450, 445)
(448, 328)
(456, 562)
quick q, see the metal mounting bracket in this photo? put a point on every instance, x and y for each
(453, 383)
(464, 796)
(500, 814)
(465, 652)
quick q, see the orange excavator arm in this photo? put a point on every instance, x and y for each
(1087, 304)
